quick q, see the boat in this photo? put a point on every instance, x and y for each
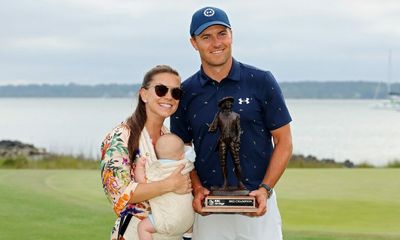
(392, 99)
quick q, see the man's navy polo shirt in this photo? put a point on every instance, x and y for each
(258, 100)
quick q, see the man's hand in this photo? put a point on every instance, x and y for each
(261, 198)
(199, 193)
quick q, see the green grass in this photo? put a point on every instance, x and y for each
(394, 164)
(53, 204)
(316, 204)
(341, 203)
(52, 161)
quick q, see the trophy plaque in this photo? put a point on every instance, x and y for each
(229, 204)
(228, 199)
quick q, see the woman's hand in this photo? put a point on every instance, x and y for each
(179, 183)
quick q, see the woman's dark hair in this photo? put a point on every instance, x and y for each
(138, 119)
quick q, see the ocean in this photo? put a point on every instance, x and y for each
(335, 129)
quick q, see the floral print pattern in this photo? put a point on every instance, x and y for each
(118, 178)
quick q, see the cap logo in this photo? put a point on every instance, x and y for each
(209, 12)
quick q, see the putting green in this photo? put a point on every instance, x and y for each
(363, 202)
(323, 204)
(53, 204)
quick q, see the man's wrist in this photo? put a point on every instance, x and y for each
(269, 190)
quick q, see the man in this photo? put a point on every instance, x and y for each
(266, 144)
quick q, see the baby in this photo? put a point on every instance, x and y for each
(171, 214)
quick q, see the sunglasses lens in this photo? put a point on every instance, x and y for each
(161, 90)
(177, 93)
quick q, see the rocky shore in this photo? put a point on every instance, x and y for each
(18, 155)
(12, 149)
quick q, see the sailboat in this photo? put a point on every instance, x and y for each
(392, 100)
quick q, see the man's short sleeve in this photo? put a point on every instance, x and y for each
(276, 113)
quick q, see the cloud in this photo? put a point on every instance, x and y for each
(43, 43)
(102, 41)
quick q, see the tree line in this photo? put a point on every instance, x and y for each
(304, 89)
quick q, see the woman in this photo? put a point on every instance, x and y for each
(158, 99)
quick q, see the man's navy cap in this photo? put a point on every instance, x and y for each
(205, 17)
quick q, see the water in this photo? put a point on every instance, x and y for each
(345, 129)
(71, 126)
(337, 129)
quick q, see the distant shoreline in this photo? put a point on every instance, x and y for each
(291, 90)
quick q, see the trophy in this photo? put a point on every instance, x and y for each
(228, 198)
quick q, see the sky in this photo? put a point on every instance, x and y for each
(117, 41)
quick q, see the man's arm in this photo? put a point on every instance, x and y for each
(281, 154)
(199, 193)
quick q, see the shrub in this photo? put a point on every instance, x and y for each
(16, 162)
(49, 162)
(364, 165)
(394, 164)
(301, 161)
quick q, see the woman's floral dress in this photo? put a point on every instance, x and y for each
(117, 173)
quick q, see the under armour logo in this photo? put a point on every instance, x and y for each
(246, 100)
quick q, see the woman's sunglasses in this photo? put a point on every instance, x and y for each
(162, 90)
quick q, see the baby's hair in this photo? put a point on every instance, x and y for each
(170, 146)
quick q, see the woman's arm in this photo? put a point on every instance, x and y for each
(118, 176)
(176, 182)
(116, 170)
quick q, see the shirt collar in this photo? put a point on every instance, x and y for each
(234, 73)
